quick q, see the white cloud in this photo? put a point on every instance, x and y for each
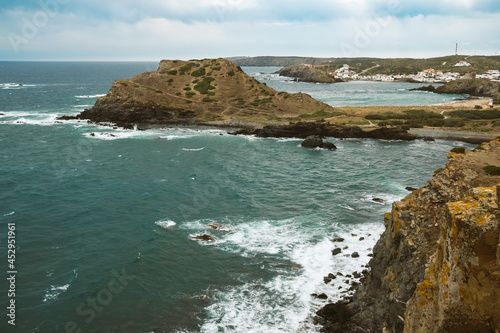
(153, 37)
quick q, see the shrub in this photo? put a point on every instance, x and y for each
(187, 68)
(476, 114)
(454, 122)
(124, 84)
(492, 170)
(216, 68)
(480, 147)
(204, 85)
(172, 72)
(230, 73)
(170, 80)
(190, 94)
(187, 88)
(199, 72)
(458, 150)
(209, 100)
(178, 93)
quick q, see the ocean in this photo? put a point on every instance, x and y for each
(105, 218)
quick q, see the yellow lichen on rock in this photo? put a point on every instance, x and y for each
(460, 291)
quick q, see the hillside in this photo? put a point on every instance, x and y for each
(196, 92)
(479, 64)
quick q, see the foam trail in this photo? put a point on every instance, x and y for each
(90, 96)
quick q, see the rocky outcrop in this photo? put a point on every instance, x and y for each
(304, 129)
(315, 141)
(307, 73)
(469, 85)
(436, 267)
(196, 92)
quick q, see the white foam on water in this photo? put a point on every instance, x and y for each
(54, 291)
(289, 140)
(166, 224)
(347, 207)
(173, 137)
(9, 214)
(111, 135)
(36, 119)
(193, 149)
(283, 303)
(15, 86)
(90, 96)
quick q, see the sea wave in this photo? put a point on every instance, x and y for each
(193, 149)
(54, 291)
(90, 96)
(283, 303)
(166, 224)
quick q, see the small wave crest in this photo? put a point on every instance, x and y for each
(54, 291)
(193, 149)
(166, 224)
(90, 96)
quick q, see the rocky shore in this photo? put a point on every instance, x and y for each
(436, 267)
(469, 85)
(304, 129)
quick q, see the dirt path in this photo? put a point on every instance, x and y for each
(366, 70)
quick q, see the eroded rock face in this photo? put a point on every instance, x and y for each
(436, 267)
(461, 287)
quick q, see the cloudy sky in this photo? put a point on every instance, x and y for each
(182, 29)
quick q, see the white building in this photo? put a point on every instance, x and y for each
(462, 64)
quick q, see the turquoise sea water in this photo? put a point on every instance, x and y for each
(104, 222)
(354, 93)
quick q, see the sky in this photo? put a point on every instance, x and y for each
(133, 30)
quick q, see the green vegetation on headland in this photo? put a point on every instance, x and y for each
(422, 118)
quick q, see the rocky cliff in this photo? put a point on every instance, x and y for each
(436, 268)
(194, 92)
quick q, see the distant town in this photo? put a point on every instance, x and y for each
(429, 75)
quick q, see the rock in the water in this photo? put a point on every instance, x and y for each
(315, 141)
(335, 312)
(382, 201)
(204, 237)
(355, 255)
(336, 251)
(337, 239)
(411, 189)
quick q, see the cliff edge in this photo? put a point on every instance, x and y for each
(436, 267)
(196, 92)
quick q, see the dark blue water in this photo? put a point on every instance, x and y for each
(104, 223)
